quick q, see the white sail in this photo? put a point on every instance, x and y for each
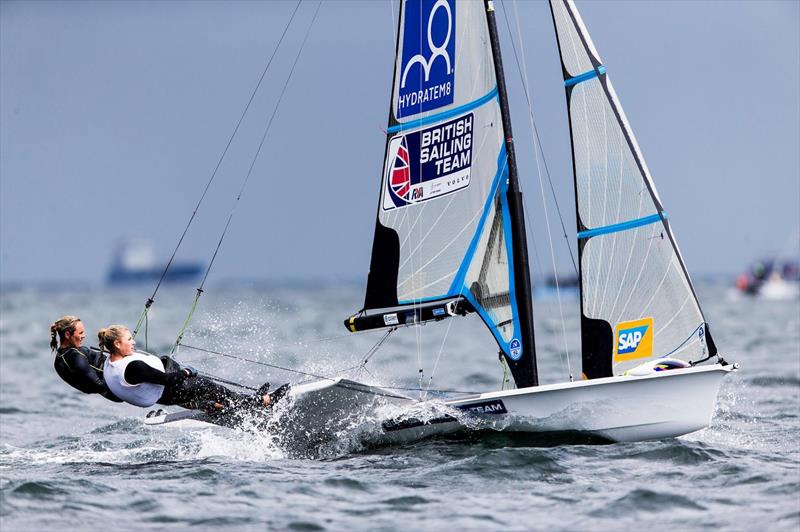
(443, 224)
(637, 300)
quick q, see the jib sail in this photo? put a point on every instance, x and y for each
(444, 235)
(637, 301)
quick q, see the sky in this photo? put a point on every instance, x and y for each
(113, 115)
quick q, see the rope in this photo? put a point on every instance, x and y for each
(187, 320)
(246, 180)
(536, 130)
(260, 363)
(370, 353)
(539, 153)
(151, 299)
(505, 370)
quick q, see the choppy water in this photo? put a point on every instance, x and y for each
(76, 462)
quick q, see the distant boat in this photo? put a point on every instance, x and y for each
(134, 262)
(771, 279)
(549, 288)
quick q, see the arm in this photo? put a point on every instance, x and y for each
(79, 364)
(138, 372)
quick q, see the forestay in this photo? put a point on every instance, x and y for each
(637, 300)
(443, 227)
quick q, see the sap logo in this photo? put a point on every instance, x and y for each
(428, 69)
(629, 339)
(515, 349)
(634, 340)
(486, 407)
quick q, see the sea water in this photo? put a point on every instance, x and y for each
(71, 461)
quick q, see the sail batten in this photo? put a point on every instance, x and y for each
(623, 226)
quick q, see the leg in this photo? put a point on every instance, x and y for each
(198, 392)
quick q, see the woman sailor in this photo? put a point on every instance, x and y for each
(142, 379)
(80, 367)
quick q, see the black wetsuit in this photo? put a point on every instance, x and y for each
(82, 368)
(196, 392)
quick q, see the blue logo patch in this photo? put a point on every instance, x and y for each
(515, 349)
(427, 70)
(634, 339)
(428, 163)
(629, 339)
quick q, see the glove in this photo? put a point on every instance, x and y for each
(189, 371)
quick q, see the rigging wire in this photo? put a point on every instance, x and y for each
(537, 142)
(368, 355)
(537, 149)
(245, 181)
(439, 354)
(151, 299)
(258, 362)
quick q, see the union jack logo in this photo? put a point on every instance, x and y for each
(400, 180)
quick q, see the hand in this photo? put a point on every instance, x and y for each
(189, 371)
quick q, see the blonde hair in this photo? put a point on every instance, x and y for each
(60, 327)
(106, 337)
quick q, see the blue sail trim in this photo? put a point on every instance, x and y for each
(512, 293)
(458, 286)
(424, 299)
(459, 282)
(492, 94)
(586, 76)
(623, 226)
(459, 279)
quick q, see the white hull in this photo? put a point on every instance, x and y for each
(779, 290)
(626, 408)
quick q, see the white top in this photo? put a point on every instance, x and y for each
(143, 394)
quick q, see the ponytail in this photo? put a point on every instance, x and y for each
(108, 335)
(59, 329)
(53, 340)
(101, 339)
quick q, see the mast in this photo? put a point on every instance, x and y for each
(525, 370)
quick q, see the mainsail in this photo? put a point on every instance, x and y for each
(449, 234)
(637, 301)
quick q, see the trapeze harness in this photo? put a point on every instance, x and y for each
(143, 380)
(82, 368)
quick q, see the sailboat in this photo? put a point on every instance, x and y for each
(450, 240)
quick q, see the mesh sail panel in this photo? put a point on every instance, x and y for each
(489, 276)
(574, 57)
(442, 225)
(634, 285)
(610, 188)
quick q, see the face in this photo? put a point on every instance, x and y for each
(75, 338)
(126, 345)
